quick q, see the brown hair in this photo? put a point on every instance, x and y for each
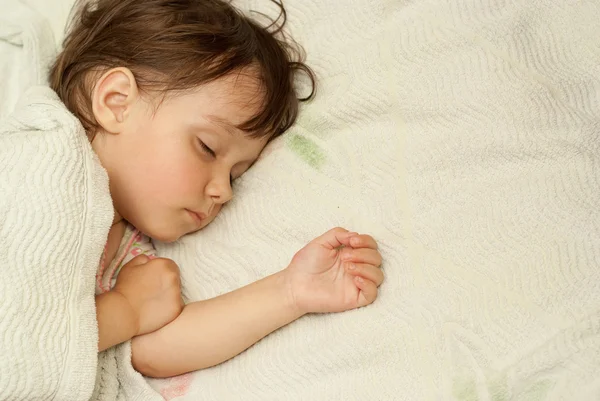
(174, 45)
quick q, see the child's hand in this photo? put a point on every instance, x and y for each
(153, 290)
(325, 276)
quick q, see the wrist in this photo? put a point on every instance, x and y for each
(115, 323)
(127, 311)
(290, 296)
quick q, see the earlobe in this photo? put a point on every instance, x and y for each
(113, 97)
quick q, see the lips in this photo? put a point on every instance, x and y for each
(198, 216)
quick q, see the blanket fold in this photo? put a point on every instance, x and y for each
(55, 213)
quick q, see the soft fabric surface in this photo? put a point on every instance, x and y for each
(463, 135)
(26, 49)
(55, 213)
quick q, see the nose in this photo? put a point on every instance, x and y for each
(219, 189)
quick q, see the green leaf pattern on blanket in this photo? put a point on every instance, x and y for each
(307, 149)
(465, 389)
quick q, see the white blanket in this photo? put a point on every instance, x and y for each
(55, 214)
(463, 134)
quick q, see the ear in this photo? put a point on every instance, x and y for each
(113, 97)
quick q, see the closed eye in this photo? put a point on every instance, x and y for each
(213, 154)
(206, 148)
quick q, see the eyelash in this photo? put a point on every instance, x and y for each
(206, 148)
(212, 153)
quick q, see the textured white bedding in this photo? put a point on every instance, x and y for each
(464, 136)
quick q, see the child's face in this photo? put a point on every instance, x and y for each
(163, 178)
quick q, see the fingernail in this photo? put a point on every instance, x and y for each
(354, 241)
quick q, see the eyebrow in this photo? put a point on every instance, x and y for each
(224, 123)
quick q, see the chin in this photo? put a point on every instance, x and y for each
(166, 239)
(162, 234)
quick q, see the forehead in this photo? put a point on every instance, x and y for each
(235, 98)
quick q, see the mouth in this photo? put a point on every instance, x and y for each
(197, 216)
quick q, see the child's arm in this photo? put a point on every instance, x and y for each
(145, 298)
(212, 331)
(115, 320)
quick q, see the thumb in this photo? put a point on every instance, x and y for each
(139, 260)
(335, 238)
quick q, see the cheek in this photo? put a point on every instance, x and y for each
(169, 170)
(212, 216)
(216, 210)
